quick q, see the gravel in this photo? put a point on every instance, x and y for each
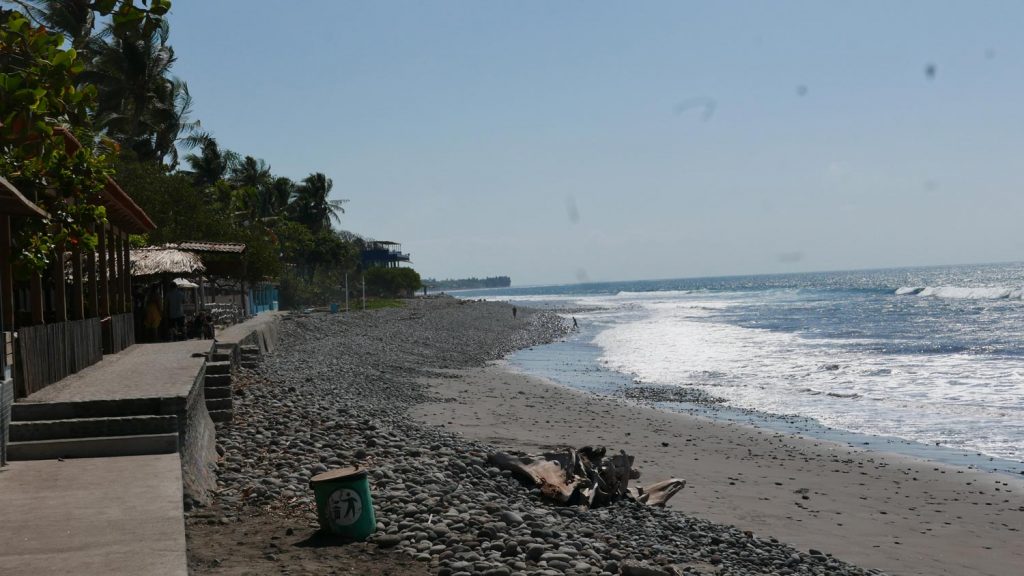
(336, 392)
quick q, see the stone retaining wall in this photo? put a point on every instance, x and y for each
(6, 400)
(197, 434)
(197, 444)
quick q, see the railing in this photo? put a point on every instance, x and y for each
(50, 352)
(120, 334)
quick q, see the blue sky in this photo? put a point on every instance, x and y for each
(687, 139)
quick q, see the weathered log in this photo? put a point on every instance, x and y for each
(584, 477)
(659, 493)
(548, 472)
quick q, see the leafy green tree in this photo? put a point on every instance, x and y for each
(392, 281)
(179, 209)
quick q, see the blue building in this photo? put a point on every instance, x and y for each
(383, 254)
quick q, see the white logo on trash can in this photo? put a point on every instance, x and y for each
(345, 507)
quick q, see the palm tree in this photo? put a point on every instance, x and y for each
(281, 192)
(251, 172)
(75, 19)
(212, 164)
(311, 205)
(139, 103)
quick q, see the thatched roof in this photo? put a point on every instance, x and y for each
(212, 247)
(150, 261)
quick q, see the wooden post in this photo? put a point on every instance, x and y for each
(77, 303)
(35, 289)
(115, 293)
(60, 300)
(104, 284)
(6, 279)
(126, 273)
(94, 283)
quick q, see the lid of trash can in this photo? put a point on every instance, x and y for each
(349, 473)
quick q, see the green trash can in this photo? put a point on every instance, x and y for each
(343, 502)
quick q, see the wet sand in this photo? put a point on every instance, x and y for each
(878, 510)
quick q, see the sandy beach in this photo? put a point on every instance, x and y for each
(420, 397)
(875, 509)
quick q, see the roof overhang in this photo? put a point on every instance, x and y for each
(13, 203)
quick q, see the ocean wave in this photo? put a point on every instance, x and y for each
(964, 293)
(659, 294)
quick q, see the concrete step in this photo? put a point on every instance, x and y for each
(219, 403)
(218, 368)
(92, 427)
(250, 365)
(27, 411)
(222, 415)
(218, 392)
(94, 447)
(220, 357)
(212, 380)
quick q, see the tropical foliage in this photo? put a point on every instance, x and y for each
(103, 71)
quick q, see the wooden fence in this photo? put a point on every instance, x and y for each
(120, 334)
(50, 352)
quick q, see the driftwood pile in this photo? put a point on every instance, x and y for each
(585, 477)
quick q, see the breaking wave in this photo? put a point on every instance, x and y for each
(964, 293)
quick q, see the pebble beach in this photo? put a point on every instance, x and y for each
(415, 394)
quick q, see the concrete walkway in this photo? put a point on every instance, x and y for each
(120, 515)
(93, 516)
(159, 370)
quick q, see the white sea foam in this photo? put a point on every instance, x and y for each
(956, 399)
(964, 292)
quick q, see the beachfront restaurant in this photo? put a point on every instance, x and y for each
(222, 291)
(12, 205)
(212, 274)
(65, 319)
(155, 271)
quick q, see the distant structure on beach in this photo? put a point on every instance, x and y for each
(383, 254)
(468, 283)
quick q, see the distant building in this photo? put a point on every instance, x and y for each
(383, 254)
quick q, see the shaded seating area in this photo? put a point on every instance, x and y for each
(67, 317)
(161, 284)
(205, 278)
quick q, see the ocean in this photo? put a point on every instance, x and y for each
(929, 359)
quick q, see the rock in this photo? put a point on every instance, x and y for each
(534, 552)
(511, 518)
(631, 568)
(387, 540)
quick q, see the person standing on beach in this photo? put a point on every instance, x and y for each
(176, 311)
(575, 326)
(514, 312)
(154, 317)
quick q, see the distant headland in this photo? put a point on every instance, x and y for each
(468, 283)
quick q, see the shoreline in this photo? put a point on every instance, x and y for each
(877, 509)
(548, 362)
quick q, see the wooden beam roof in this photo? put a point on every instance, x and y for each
(13, 203)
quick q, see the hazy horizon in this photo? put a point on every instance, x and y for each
(719, 276)
(564, 142)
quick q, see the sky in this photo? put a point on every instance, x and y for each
(558, 142)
